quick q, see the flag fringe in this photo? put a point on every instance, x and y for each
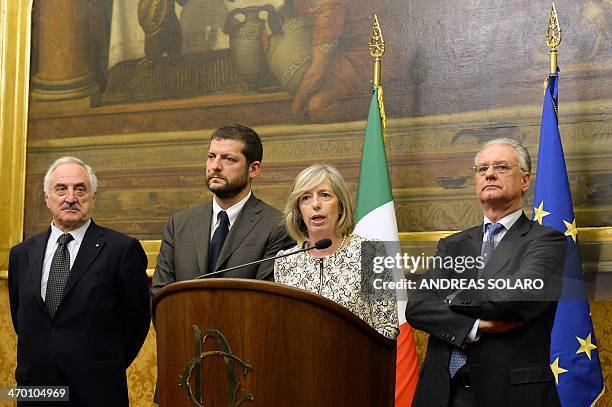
(603, 390)
(381, 108)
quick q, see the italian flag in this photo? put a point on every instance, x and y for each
(376, 220)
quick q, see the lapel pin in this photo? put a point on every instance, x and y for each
(97, 244)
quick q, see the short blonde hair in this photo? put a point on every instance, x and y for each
(308, 179)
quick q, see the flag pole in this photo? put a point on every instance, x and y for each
(577, 372)
(553, 39)
(377, 50)
(375, 215)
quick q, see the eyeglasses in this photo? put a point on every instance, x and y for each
(499, 168)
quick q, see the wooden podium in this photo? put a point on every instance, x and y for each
(229, 342)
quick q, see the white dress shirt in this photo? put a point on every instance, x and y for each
(73, 249)
(508, 221)
(232, 213)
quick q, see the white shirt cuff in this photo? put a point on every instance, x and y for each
(473, 336)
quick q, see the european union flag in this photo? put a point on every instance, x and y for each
(573, 356)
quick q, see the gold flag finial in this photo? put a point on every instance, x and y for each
(553, 38)
(377, 49)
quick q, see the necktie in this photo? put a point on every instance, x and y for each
(58, 274)
(488, 247)
(216, 243)
(458, 358)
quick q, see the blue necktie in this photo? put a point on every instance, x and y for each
(458, 359)
(216, 243)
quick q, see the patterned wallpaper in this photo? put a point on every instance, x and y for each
(142, 373)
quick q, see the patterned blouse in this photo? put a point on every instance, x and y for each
(338, 277)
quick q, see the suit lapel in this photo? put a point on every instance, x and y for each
(92, 244)
(36, 256)
(246, 220)
(474, 247)
(200, 227)
(475, 237)
(506, 248)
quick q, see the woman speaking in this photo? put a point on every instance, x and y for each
(319, 208)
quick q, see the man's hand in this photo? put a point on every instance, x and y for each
(494, 327)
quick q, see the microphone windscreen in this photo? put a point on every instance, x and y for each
(323, 244)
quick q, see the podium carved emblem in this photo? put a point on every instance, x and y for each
(232, 363)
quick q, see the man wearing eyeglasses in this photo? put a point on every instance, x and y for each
(489, 343)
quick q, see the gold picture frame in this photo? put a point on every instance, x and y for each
(15, 48)
(15, 35)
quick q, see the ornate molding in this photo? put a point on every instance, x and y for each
(599, 235)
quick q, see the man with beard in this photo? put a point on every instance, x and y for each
(234, 228)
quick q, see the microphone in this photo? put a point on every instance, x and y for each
(319, 245)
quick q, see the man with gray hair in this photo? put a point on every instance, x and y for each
(490, 345)
(79, 296)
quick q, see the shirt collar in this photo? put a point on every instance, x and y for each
(232, 211)
(77, 234)
(507, 220)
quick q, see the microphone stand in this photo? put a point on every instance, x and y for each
(321, 244)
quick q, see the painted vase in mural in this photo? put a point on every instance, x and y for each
(245, 27)
(290, 52)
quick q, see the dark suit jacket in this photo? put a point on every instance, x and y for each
(506, 369)
(258, 232)
(100, 324)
